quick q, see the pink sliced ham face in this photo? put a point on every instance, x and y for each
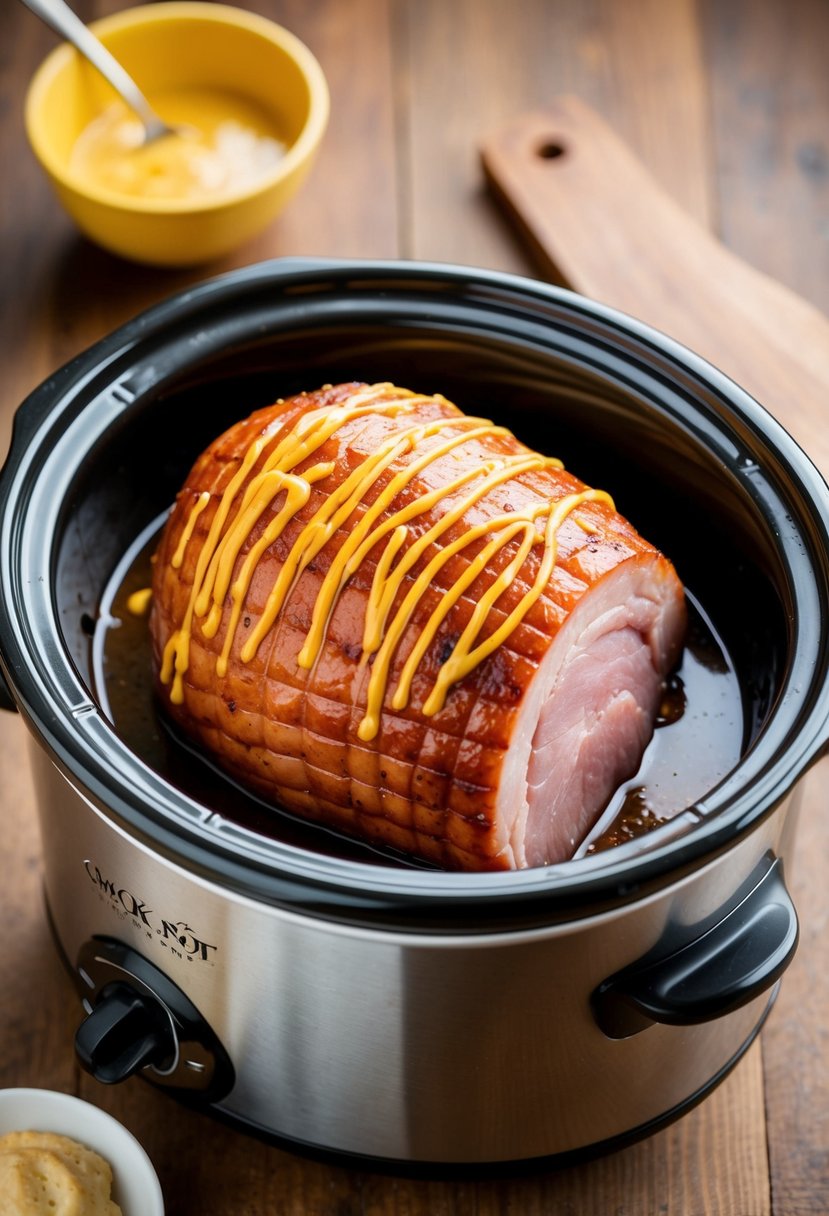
(591, 709)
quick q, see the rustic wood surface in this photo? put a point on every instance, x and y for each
(725, 103)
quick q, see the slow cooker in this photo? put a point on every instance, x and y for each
(351, 1002)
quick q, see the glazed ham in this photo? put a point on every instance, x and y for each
(396, 620)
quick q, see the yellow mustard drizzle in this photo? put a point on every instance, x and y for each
(138, 603)
(201, 502)
(219, 553)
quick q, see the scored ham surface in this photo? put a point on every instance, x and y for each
(398, 621)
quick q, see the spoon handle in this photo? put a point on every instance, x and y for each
(64, 21)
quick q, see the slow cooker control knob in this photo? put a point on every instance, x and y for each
(139, 1021)
(125, 1032)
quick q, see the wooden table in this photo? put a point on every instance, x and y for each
(727, 103)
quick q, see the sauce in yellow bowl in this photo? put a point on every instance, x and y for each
(253, 100)
(225, 143)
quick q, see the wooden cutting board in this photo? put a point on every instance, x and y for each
(597, 221)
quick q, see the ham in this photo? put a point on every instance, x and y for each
(391, 618)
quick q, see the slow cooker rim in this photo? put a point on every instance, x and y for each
(615, 878)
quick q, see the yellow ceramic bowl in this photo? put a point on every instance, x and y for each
(181, 44)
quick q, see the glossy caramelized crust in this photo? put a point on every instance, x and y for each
(379, 614)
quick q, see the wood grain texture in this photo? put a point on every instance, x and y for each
(650, 259)
(770, 97)
(348, 207)
(35, 1015)
(724, 102)
(796, 1039)
(468, 66)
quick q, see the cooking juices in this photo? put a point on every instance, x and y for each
(225, 144)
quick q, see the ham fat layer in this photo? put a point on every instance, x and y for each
(519, 759)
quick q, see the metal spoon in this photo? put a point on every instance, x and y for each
(61, 18)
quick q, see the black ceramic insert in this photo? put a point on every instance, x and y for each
(100, 450)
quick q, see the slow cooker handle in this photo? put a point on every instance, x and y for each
(727, 966)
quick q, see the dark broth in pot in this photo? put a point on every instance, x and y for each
(698, 740)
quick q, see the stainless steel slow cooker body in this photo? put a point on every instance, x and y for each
(340, 1000)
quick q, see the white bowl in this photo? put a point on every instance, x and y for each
(135, 1185)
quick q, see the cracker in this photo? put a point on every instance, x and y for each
(45, 1173)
